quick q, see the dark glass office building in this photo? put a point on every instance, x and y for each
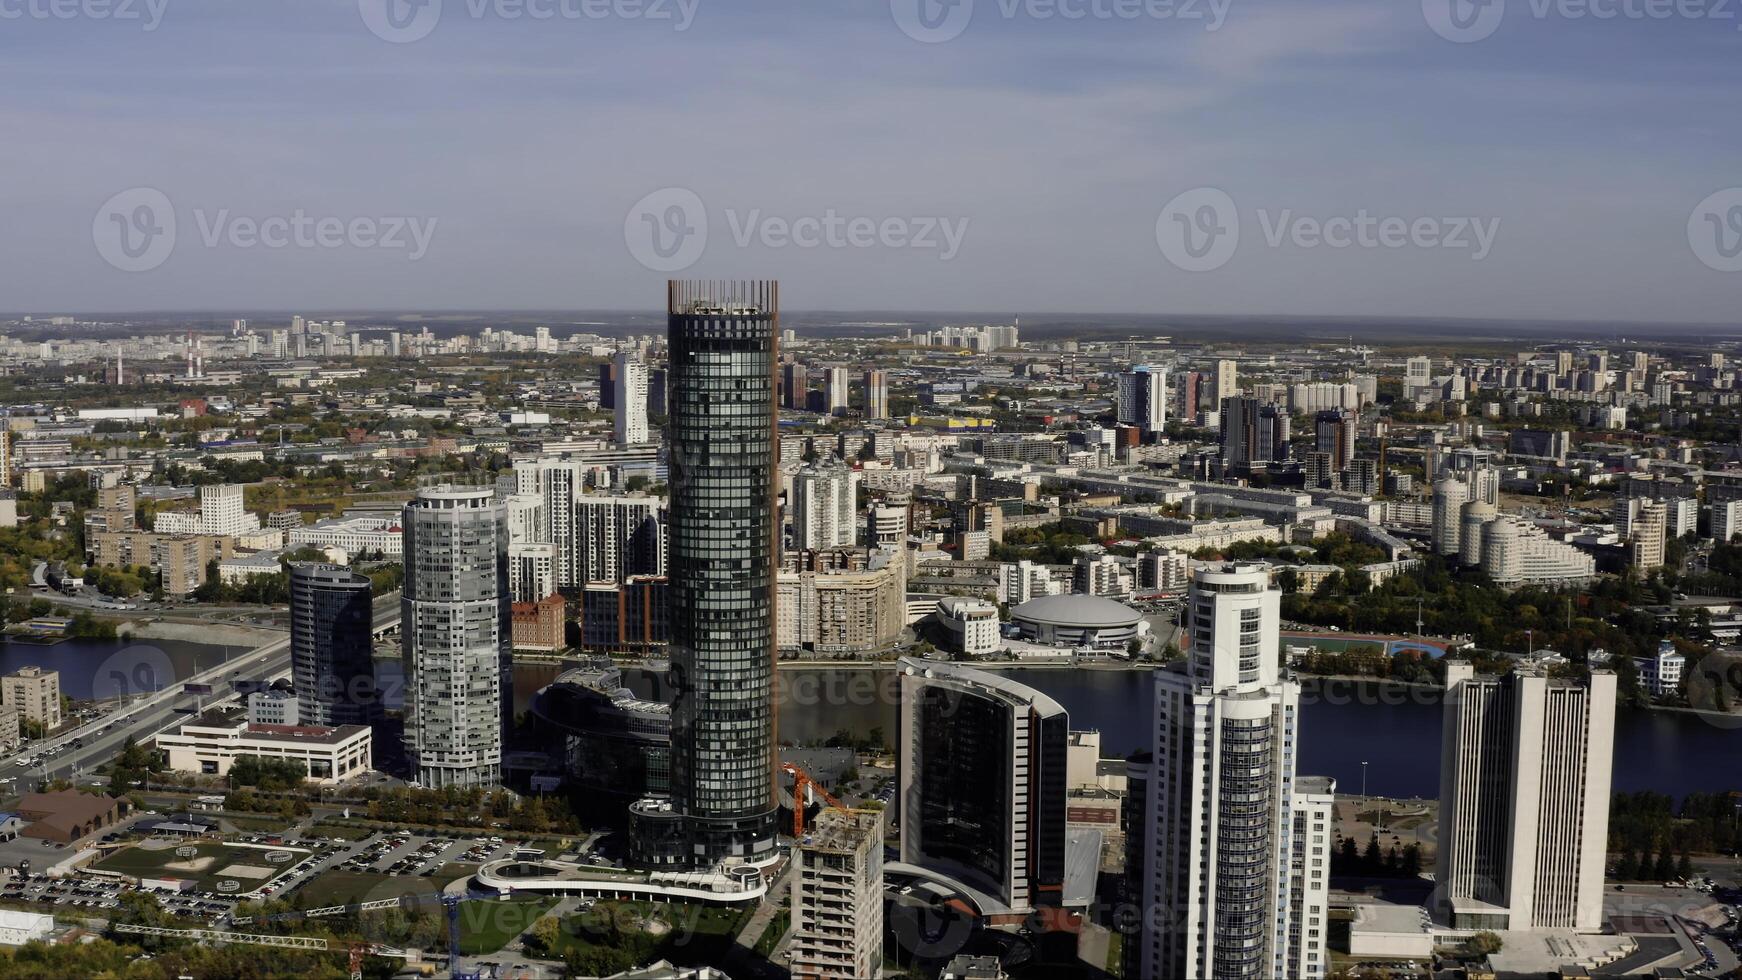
(722, 565)
(332, 613)
(983, 783)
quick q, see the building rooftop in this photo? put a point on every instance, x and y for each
(1077, 610)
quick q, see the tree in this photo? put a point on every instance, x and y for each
(1484, 943)
(1665, 867)
(1627, 868)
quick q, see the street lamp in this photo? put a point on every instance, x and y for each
(1363, 779)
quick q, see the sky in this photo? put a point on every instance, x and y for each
(1555, 159)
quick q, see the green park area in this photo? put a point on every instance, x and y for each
(614, 936)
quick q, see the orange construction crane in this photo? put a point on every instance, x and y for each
(801, 780)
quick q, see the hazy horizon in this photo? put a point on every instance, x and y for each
(1355, 158)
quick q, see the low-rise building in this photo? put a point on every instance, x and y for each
(538, 626)
(211, 744)
(67, 815)
(18, 928)
(1661, 673)
(972, 625)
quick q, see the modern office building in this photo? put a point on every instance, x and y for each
(1143, 398)
(825, 508)
(982, 783)
(837, 897)
(724, 542)
(618, 536)
(794, 385)
(626, 617)
(629, 421)
(1524, 800)
(1253, 433)
(1335, 434)
(457, 635)
(1223, 806)
(613, 745)
(332, 662)
(876, 394)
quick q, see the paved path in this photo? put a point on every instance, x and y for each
(766, 909)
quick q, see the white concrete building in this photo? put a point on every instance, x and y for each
(825, 501)
(1515, 552)
(1661, 674)
(531, 571)
(837, 897)
(971, 623)
(18, 928)
(1222, 803)
(211, 744)
(629, 424)
(367, 533)
(274, 706)
(1524, 800)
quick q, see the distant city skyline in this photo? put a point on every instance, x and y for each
(1010, 159)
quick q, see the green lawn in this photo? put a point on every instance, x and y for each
(487, 926)
(345, 887)
(614, 936)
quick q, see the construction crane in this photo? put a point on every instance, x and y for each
(801, 781)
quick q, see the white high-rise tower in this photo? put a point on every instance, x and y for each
(630, 426)
(1237, 851)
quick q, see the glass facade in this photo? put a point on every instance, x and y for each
(332, 614)
(723, 539)
(457, 636)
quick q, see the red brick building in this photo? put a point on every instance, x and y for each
(538, 626)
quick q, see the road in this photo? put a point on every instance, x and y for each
(152, 712)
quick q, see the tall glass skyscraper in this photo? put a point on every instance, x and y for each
(723, 539)
(457, 635)
(332, 615)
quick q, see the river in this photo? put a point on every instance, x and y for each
(1395, 730)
